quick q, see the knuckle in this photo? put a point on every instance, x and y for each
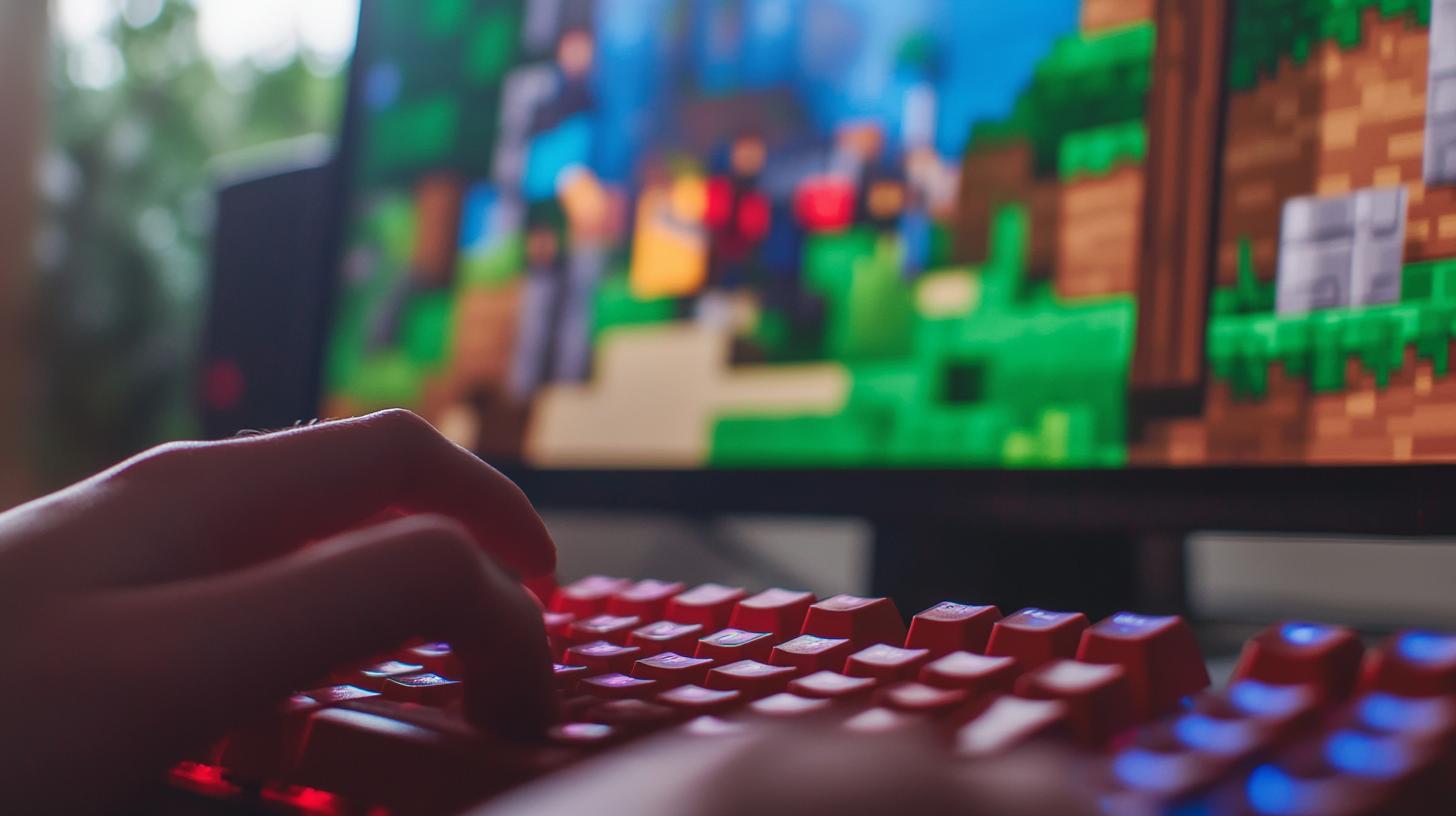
(160, 463)
(405, 437)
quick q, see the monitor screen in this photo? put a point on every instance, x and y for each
(903, 233)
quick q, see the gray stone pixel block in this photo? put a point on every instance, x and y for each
(1440, 157)
(1338, 251)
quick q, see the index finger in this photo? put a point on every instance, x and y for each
(203, 507)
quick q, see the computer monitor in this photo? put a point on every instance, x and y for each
(1153, 253)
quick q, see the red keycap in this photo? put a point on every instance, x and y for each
(780, 611)
(298, 800)
(646, 599)
(602, 657)
(886, 663)
(786, 705)
(728, 645)
(202, 779)
(334, 695)
(881, 720)
(708, 604)
(666, 636)
(427, 688)
(670, 669)
(267, 747)
(611, 628)
(751, 677)
(582, 735)
(1414, 664)
(951, 627)
(401, 765)
(1010, 722)
(811, 653)
(373, 677)
(436, 657)
(566, 677)
(633, 716)
(557, 623)
(618, 687)
(1159, 654)
(1037, 636)
(918, 698)
(833, 686)
(588, 596)
(698, 700)
(1098, 697)
(1326, 657)
(862, 621)
(978, 675)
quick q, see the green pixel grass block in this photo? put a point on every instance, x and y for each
(1264, 31)
(1098, 151)
(1086, 81)
(1242, 346)
(428, 327)
(869, 305)
(411, 135)
(1044, 382)
(491, 48)
(502, 263)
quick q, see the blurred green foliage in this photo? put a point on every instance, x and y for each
(122, 254)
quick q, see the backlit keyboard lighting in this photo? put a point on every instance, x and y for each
(1309, 725)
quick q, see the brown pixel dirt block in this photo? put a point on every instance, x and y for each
(993, 178)
(1099, 15)
(1340, 121)
(1100, 234)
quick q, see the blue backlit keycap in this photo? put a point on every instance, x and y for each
(1296, 653)
(1380, 712)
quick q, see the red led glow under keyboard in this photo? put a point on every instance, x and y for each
(1310, 723)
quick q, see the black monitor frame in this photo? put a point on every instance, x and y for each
(1405, 500)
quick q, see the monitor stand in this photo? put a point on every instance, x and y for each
(919, 563)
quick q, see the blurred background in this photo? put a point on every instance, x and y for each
(147, 99)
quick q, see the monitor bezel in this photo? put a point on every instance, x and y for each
(1375, 499)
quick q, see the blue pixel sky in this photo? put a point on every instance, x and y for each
(839, 54)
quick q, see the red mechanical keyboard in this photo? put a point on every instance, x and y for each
(1310, 723)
